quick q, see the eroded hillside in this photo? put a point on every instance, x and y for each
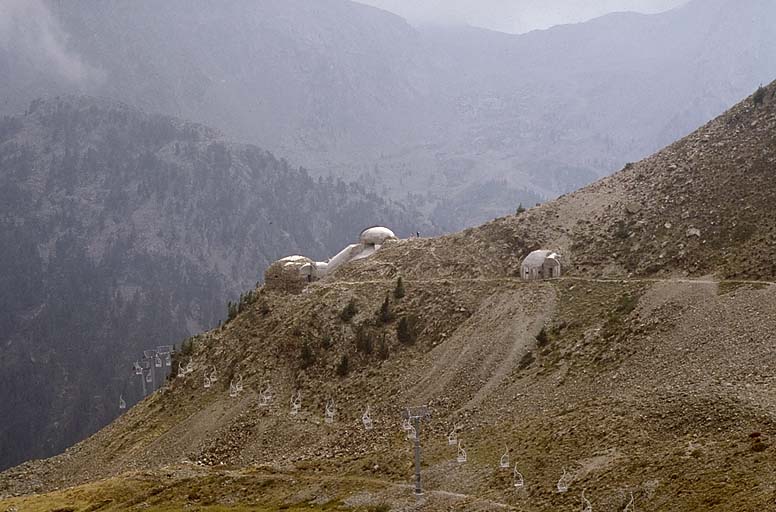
(638, 375)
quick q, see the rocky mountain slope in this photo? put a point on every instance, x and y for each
(463, 122)
(643, 376)
(121, 231)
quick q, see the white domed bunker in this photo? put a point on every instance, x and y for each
(376, 235)
(292, 273)
(541, 264)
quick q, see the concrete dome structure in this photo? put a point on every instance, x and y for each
(292, 273)
(376, 235)
(541, 264)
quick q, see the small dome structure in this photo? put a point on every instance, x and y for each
(376, 235)
(288, 273)
(541, 264)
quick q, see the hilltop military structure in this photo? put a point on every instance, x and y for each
(541, 264)
(292, 273)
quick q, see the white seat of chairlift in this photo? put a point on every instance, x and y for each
(122, 403)
(452, 437)
(366, 419)
(517, 478)
(461, 453)
(296, 403)
(504, 461)
(586, 505)
(330, 411)
(563, 485)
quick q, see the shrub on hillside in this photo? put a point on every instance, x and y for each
(307, 356)
(759, 96)
(364, 342)
(385, 314)
(405, 331)
(398, 292)
(349, 311)
(344, 366)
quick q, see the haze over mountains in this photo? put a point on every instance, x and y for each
(469, 122)
(643, 375)
(121, 231)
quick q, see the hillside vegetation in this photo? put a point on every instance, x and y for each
(632, 377)
(121, 231)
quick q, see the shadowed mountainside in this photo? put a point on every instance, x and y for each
(121, 231)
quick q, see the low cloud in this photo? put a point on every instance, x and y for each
(28, 28)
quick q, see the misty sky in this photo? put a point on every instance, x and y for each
(514, 15)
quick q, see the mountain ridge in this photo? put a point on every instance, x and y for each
(653, 387)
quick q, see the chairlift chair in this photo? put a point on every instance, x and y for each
(517, 478)
(157, 361)
(330, 411)
(232, 390)
(366, 419)
(239, 384)
(461, 453)
(266, 397)
(562, 482)
(167, 360)
(214, 375)
(138, 369)
(122, 403)
(504, 461)
(630, 507)
(189, 367)
(296, 403)
(586, 505)
(149, 376)
(412, 434)
(452, 437)
(181, 371)
(208, 382)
